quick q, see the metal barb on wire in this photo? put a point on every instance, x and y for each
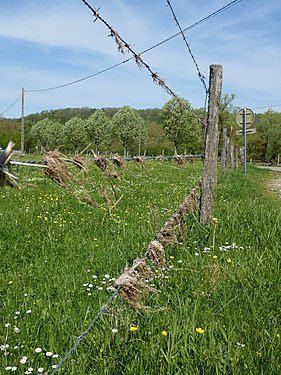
(101, 311)
(121, 43)
(200, 75)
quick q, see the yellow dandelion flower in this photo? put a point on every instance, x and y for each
(215, 220)
(134, 329)
(228, 260)
(200, 330)
(164, 333)
(172, 257)
(215, 256)
(10, 282)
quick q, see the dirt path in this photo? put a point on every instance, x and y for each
(274, 184)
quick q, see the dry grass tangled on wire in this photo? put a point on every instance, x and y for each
(132, 285)
(57, 168)
(7, 178)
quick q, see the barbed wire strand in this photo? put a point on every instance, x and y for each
(200, 75)
(210, 16)
(10, 106)
(122, 45)
(101, 311)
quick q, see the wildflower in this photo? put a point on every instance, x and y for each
(14, 368)
(8, 368)
(228, 260)
(55, 356)
(28, 311)
(258, 354)
(215, 256)
(38, 350)
(134, 329)
(54, 366)
(200, 330)
(107, 276)
(7, 325)
(16, 330)
(23, 360)
(10, 282)
(164, 333)
(172, 257)
(114, 330)
(197, 254)
(215, 220)
(30, 369)
(40, 370)
(49, 354)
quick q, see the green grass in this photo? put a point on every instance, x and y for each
(224, 279)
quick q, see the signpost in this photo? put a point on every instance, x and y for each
(245, 118)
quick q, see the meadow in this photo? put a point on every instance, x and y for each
(217, 310)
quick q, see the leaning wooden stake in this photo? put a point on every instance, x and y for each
(209, 178)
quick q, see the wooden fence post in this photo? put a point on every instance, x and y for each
(231, 155)
(224, 149)
(209, 178)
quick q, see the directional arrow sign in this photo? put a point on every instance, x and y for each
(248, 131)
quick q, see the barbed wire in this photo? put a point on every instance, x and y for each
(210, 16)
(101, 311)
(122, 46)
(200, 75)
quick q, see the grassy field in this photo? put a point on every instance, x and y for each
(218, 306)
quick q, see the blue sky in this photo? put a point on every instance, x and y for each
(48, 43)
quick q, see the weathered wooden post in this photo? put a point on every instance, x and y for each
(236, 157)
(209, 179)
(224, 149)
(231, 155)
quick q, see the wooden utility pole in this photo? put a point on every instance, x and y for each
(22, 122)
(209, 179)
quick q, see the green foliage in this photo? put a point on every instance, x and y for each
(180, 126)
(128, 127)
(98, 128)
(39, 132)
(10, 130)
(217, 310)
(75, 133)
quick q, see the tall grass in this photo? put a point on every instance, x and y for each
(217, 310)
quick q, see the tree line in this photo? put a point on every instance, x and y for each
(172, 129)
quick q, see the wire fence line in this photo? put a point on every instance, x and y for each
(155, 251)
(200, 75)
(81, 337)
(210, 16)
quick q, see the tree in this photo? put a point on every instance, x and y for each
(39, 133)
(55, 135)
(75, 133)
(180, 126)
(98, 128)
(128, 127)
(268, 128)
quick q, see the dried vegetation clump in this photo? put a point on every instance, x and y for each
(57, 168)
(132, 285)
(156, 252)
(118, 161)
(168, 233)
(7, 178)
